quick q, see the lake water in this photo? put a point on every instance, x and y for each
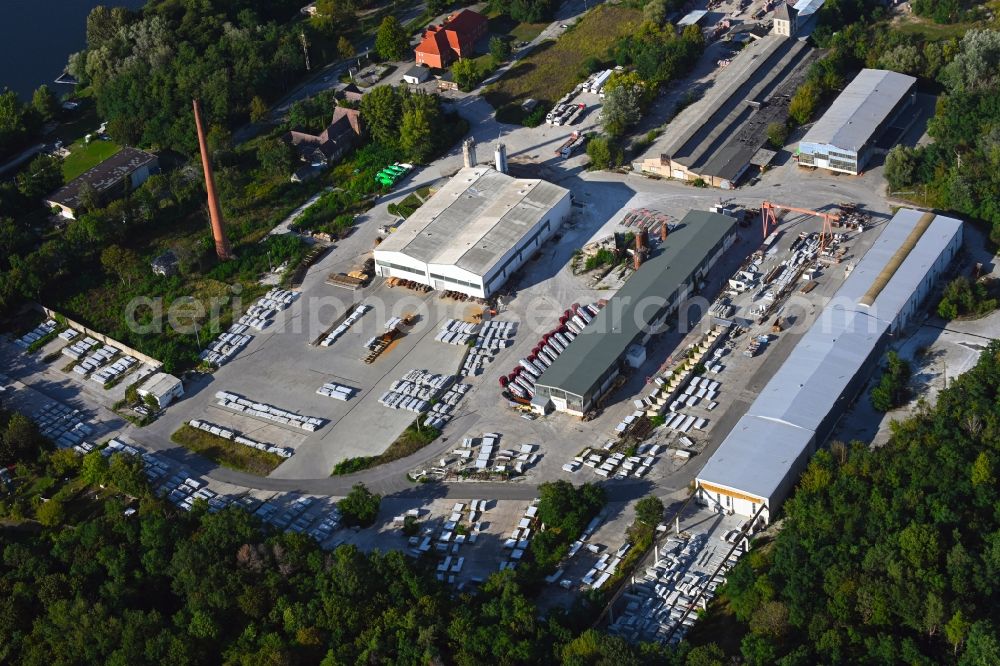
(36, 37)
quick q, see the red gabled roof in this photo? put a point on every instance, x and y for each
(434, 42)
(465, 22)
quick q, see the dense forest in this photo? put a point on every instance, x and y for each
(890, 555)
(145, 67)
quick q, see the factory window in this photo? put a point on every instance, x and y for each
(806, 158)
(843, 156)
(851, 166)
(574, 402)
(405, 269)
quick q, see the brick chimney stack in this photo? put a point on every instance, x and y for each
(222, 248)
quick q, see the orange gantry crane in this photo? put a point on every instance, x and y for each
(770, 220)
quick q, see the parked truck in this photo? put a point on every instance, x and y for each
(571, 144)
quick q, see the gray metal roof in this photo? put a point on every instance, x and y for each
(858, 111)
(614, 328)
(106, 175)
(756, 455)
(808, 7)
(815, 375)
(478, 216)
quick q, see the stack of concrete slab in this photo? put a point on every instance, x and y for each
(443, 410)
(235, 436)
(62, 424)
(270, 412)
(119, 367)
(79, 349)
(415, 390)
(95, 360)
(336, 391)
(36, 334)
(229, 343)
(355, 315)
(493, 336)
(259, 315)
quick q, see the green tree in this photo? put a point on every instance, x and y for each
(499, 49)
(51, 513)
(360, 507)
(623, 102)
(466, 73)
(44, 102)
(21, 440)
(344, 48)
(391, 42)
(258, 109)
(901, 167)
(893, 388)
(649, 510)
(94, 469)
(956, 630)
(976, 67)
(804, 102)
(415, 135)
(42, 176)
(123, 263)
(655, 12)
(276, 157)
(603, 153)
(12, 126)
(126, 474)
(777, 134)
(382, 111)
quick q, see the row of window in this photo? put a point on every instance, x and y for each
(517, 255)
(405, 269)
(462, 283)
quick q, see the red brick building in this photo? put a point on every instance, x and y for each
(453, 39)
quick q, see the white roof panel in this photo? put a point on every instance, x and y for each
(858, 111)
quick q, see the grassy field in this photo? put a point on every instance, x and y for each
(226, 453)
(553, 68)
(84, 156)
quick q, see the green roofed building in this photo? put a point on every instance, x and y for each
(618, 334)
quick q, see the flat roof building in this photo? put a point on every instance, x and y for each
(581, 375)
(163, 388)
(475, 232)
(114, 177)
(760, 460)
(848, 134)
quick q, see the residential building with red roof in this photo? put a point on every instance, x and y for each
(455, 38)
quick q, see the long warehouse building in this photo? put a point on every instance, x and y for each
(848, 134)
(761, 459)
(475, 232)
(581, 375)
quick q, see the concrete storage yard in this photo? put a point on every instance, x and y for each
(290, 360)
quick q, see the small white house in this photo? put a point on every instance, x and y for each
(163, 387)
(416, 75)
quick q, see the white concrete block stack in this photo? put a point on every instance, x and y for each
(112, 371)
(415, 391)
(656, 605)
(259, 315)
(337, 391)
(62, 424)
(520, 537)
(493, 336)
(36, 334)
(79, 349)
(270, 412)
(95, 360)
(229, 343)
(355, 315)
(443, 410)
(235, 436)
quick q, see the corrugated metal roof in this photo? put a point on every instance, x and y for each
(614, 328)
(808, 7)
(755, 457)
(858, 111)
(816, 374)
(478, 216)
